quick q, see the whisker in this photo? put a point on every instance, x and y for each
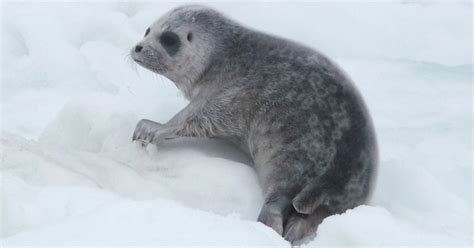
(131, 63)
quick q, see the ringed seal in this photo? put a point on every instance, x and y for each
(291, 109)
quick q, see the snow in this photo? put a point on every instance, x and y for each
(71, 98)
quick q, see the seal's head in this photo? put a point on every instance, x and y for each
(180, 45)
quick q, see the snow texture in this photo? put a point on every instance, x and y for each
(71, 98)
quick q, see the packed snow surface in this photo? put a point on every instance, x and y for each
(71, 98)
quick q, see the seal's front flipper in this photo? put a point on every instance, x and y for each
(145, 131)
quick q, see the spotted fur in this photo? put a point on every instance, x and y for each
(296, 113)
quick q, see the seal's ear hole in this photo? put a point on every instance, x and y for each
(190, 36)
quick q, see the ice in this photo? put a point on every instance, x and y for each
(71, 97)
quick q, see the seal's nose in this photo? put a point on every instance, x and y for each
(138, 48)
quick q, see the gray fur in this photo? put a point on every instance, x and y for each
(296, 114)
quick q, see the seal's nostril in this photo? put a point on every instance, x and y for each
(138, 48)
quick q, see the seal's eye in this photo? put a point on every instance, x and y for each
(170, 41)
(190, 36)
(147, 32)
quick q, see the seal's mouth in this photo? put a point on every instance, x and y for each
(138, 61)
(152, 67)
(142, 63)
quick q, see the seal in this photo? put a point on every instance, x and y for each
(290, 108)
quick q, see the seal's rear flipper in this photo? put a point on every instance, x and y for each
(308, 199)
(274, 212)
(300, 227)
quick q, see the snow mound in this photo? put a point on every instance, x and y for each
(117, 221)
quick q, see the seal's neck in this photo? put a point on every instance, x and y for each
(194, 83)
(186, 82)
(187, 86)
